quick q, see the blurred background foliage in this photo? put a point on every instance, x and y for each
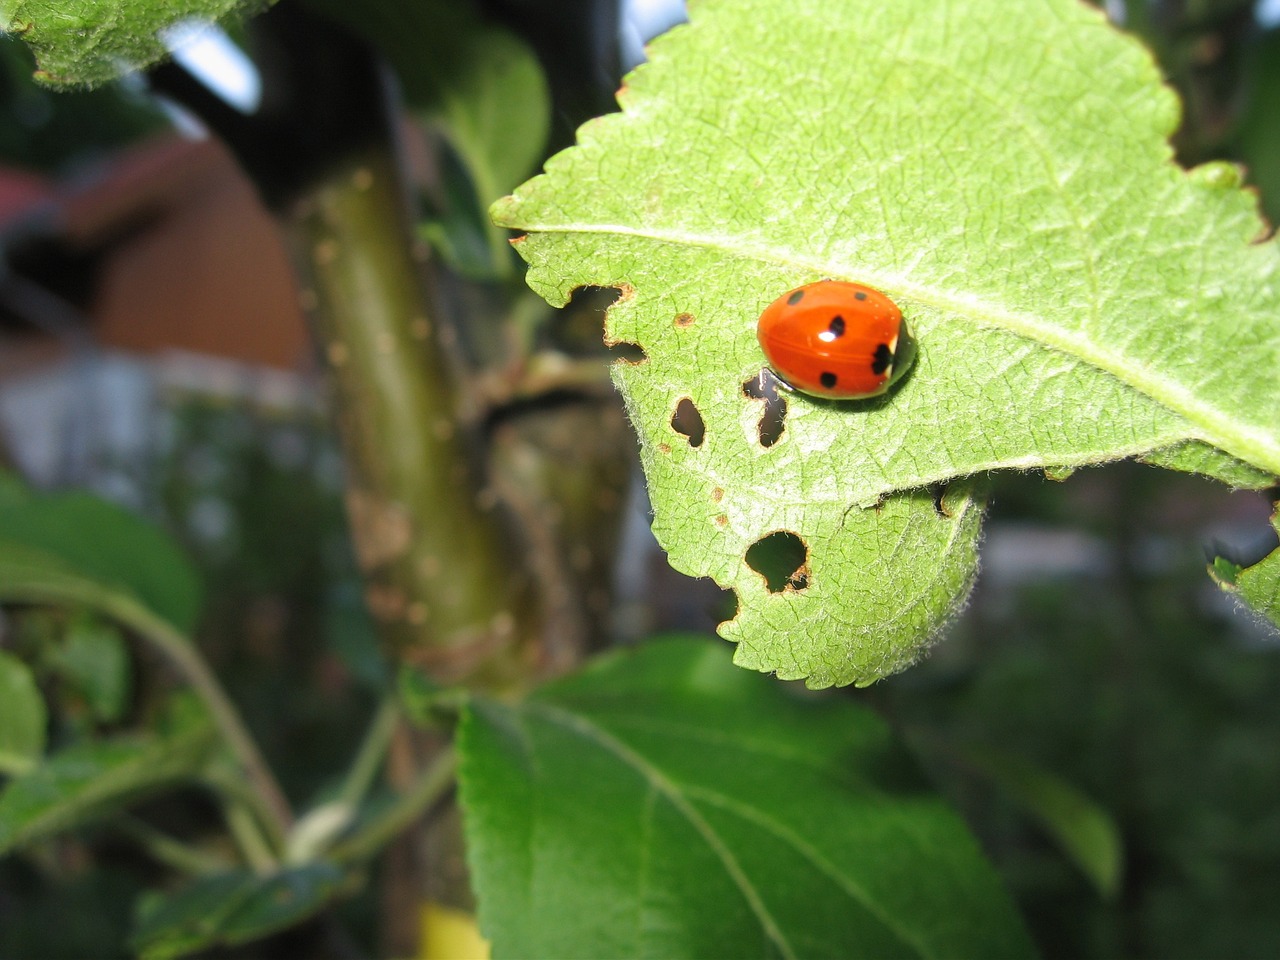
(1095, 650)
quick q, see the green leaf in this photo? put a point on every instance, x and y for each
(95, 660)
(79, 42)
(498, 112)
(1003, 174)
(231, 909)
(1257, 585)
(89, 781)
(22, 717)
(1085, 832)
(662, 803)
(76, 542)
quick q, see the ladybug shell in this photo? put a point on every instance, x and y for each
(835, 339)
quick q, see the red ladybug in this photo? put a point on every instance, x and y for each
(838, 340)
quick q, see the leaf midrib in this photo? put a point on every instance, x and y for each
(654, 777)
(1214, 425)
(679, 798)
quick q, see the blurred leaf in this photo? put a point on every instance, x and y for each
(79, 42)
(459, 229)
(662, 803)
(231, 909)
(95, 659)
(1084, 831)
(52, 130)
(89, 781)
(497, 113)
(482, 82)
(1258, 136)
(1067, 282)
(78, 543)
(1257, 585)
(22, 717)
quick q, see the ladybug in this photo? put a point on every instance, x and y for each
(837, 340)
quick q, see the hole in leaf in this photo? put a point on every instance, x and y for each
(687, 421)
(773, 419)
(782, 559)
(627, 352)
(579, 326)
(939, 493)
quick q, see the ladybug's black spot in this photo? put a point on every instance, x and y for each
(836, 326)
(882, 360)
(828, 379)
(860, 295)
(796, 297)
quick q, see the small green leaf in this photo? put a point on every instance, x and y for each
(95, 660)
(231, 909)
(1084, 831)
(1257, 585)
(1005, 177)
(88, 42)
(498, 112)
(22, 717)
(89, 781)
(79, 543)
(662, 803)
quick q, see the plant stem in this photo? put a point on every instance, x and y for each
(372, 751)
(244, 827)
(167, 850)
(432, 784)
(444, 581)
(184, 655)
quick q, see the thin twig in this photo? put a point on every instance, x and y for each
(432, 784)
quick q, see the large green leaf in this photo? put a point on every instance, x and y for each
(89, 781)
(664, 804)
(79, 543)
(1002, 171)
(78, 42)
(22, 717)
